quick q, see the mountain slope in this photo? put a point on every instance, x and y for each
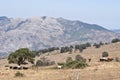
(42, 32)
(116, 31)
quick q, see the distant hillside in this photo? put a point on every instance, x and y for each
(95, 54)
(43, 32)
(116, 31)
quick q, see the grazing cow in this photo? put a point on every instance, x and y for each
(11, 67)
(89, 59)
(59, 67)
(103, 59)
(109, 59)
(19, 67)
(25, 68)
(15, 67)
(106, 59)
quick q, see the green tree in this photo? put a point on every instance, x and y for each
(20, 56)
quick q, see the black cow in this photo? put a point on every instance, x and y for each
(25, 68)
(15, 67)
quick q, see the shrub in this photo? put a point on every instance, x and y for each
(79, 62)
(64, 49)
(76, 64)
(80, 65)
(39, 63)
(105, 54)
(19, 74)
(70, 64)
(80, 58)
(44, 62)
(96, 45)
(117, 59)
(115, 40)
(101, 43)
(88, 44)
(69, 59)
(106, 43)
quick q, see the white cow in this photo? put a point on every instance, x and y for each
(59, 67)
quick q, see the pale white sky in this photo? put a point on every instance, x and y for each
(102, 12)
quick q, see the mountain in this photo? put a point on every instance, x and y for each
(116, 31)
(43, 32)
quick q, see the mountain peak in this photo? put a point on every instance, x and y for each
(43, 32)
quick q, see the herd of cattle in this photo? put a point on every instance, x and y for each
(18, 67)
(59, 67)
(106, 59)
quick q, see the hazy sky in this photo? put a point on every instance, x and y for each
(102, 12)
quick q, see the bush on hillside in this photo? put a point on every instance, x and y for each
(88, 44)
(115, 40)
(19, 74)
(101, 43)
(117, 59)
(105, 54)
(96, 45)
(39, 63)
(80, 58)
(76, 64)
(44, 62)
(69, 59)
(80, 65)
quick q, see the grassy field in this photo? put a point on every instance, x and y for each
(95, 71)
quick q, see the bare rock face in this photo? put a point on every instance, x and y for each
(43, 32)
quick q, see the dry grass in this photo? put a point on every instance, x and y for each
(91, 52)
(96, 70)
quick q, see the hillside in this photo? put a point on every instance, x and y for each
(91, 52)
(116, 31)
(95, 71)
(43, 32)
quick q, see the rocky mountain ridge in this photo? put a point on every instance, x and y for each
(43, 32)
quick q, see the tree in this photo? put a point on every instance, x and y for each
(88, 44)
(71, 46)
(81, 49)
(65, 49)
(105, 54)
(101, 43)
(96, 45)
(20, 56)
(115, 40)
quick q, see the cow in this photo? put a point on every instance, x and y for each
(15, 67)
(11, 67)
(89, 59)
(59, 67)
(25, 68)
(106, 59)
(110, 59)
(19, 67)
